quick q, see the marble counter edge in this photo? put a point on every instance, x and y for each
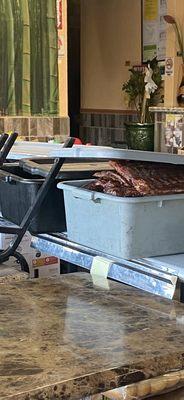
(102, 381)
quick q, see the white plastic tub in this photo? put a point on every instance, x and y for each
(124, 227)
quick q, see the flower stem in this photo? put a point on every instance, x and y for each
(180, 43)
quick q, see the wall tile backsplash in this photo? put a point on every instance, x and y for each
(104, 129)
(33, 127)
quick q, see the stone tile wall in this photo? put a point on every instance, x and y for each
(104, 129)
(32, 128)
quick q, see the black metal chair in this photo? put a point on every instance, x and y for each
(10, 228)
(6, 143)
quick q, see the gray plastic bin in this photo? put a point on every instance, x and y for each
(124, 227)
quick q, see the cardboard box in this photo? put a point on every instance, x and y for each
(24, 246)
(40, 264)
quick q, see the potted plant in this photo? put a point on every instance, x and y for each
(144, 90)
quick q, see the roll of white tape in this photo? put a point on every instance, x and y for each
(99, 271)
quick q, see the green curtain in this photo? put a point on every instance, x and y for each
(3, 60)
(28, 57)
(18, 45)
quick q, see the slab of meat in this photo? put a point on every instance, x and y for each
(135, 179)
(113, 176)
(130, 179)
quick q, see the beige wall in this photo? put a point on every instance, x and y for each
(110, 36)
(63, 76)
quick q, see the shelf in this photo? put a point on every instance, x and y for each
(167, 110)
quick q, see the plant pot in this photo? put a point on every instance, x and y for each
(139, 136)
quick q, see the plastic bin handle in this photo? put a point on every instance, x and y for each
(8, 179)
(86, 195)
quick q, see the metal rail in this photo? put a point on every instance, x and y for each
(106, 153)
(134, 273)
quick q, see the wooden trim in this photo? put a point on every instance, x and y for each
(106, 111)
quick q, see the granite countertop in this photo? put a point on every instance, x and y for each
(175, 395)
(68, 337)
(172, 395)
(9, 274)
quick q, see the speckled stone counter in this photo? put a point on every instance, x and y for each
(67, 338)
(175, 395)
(9, 274)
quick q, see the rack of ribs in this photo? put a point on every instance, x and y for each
(134, 179)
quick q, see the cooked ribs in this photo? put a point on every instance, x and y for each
(132, 179)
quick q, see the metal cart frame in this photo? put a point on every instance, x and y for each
(143, 274)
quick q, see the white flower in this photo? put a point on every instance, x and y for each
(150, 86)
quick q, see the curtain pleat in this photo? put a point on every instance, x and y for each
(28, 57)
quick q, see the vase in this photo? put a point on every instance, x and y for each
(180, 95)
(139, 136)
